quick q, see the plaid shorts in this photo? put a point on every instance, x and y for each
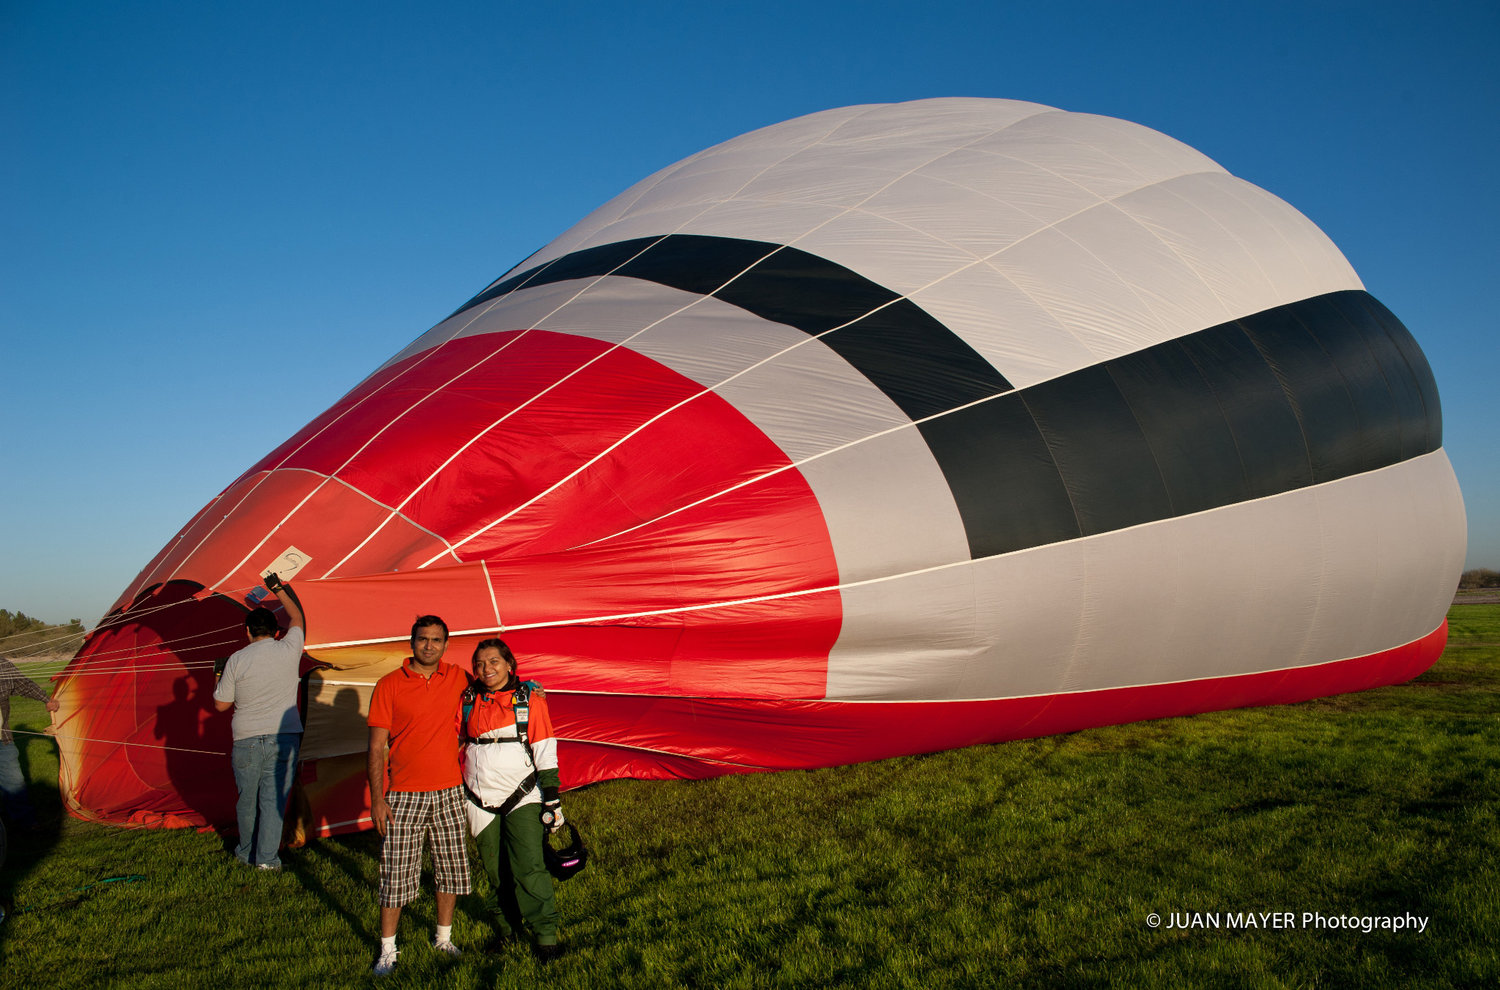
(415, 815)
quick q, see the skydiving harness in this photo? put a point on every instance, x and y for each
(522, 706)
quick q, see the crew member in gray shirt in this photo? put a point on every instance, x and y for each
(260, 683)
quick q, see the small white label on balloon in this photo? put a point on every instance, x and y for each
(289, 563)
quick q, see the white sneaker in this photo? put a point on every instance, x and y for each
(387, 961)
(447, 948)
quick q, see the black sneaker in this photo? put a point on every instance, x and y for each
(547, 953)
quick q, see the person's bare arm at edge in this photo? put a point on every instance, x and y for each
(380, 811)
(288, 599)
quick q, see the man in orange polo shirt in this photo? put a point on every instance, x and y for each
(413, 710)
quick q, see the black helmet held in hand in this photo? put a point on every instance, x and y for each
(563, 863)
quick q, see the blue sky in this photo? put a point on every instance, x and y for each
(216, 218)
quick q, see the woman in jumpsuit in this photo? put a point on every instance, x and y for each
(512, 788)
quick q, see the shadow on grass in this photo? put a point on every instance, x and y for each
(26, 848)
(350, 855)
(353, 897)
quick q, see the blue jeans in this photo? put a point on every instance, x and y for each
(263, 771)
(13, 786)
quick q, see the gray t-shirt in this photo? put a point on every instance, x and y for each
(262, 680)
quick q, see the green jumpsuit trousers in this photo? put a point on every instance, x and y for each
(520, 886)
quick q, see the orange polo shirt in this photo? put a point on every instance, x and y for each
(419, 714)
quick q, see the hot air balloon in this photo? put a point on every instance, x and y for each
(884, 430)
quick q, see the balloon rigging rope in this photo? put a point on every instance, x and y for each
(166, 666)
(121, 618)
(143, 651)
(120, 659)
(120, 742)
(123, 655)
(55, 639)
(129, 615)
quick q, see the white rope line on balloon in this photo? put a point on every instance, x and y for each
(155, 664)
(618, 617)
(371, 394)
(796, 465)
(612, 348)
(658, 751)
(127, 657)
(395, 511)
(428, 355)
(121, 661)
(362, 448)
(127, 652)
(145, 579)
(160, 647)
(118, 620)
(632, 433)
(124, 654)
(114, 619)
(1097, 201)
(131, 614)
(792, 151)
(120, 742)
(162, 662)
(175, 669)
(428, 352)
(47, 627)
(130, 656)
(710, 390)
(41, 642)
(73, 737)
(136, 618)
(324, 480)
(131, 651)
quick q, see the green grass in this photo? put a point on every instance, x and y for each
(1033, 863)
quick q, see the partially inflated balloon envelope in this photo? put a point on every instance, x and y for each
(884, 430)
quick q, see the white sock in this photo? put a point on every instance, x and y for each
(444, 933)
(387, 942)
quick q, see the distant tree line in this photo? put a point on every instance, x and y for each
(1480, 577)
(21, 635)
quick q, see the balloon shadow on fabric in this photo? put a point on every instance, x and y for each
(195, 742)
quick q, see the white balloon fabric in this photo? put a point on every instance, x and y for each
(884, 430)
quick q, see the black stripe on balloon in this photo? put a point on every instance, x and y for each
(924, 367)
(1302, 394)
(1298, 395)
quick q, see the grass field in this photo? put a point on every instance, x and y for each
(1033, 864)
